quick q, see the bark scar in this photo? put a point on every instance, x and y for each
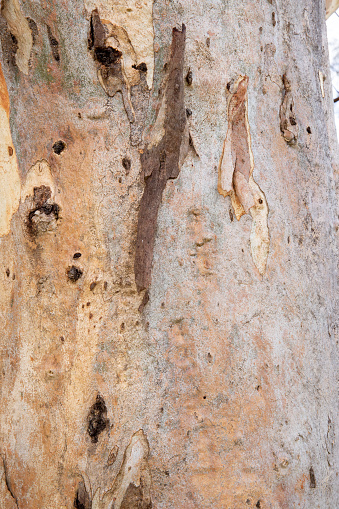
(235, 174)
(288, 122)
(162, 158)
(119, 71)
(131, 488)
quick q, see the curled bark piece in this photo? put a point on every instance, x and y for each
(110, 60)
(19, 27)
(118, 70)
(235, 177)
(331, 7)
(136, 19)
(131, 488)
(236, 163)
(288, 122)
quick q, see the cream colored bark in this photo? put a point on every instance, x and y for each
(331, 7)
(168, 248)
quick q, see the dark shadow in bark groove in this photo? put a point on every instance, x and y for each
(82, 499)
(97, 419)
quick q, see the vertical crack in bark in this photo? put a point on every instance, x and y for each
(235, 177)
(161, 159)
(19, 27)
(8, 483)
(288, 122)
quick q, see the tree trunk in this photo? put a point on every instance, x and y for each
(168, 255)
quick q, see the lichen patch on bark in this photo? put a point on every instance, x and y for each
(9, 175)
(235, 175)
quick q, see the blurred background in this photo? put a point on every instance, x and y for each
(333, 44)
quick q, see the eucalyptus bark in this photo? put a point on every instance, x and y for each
(168, 247)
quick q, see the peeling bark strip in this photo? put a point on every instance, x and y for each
(160, 161)
(19, 27)
(131, 488)
(135, 19)
(109, 59)
(9, 175)
(288, 123)
(235, 172)
(118, 70)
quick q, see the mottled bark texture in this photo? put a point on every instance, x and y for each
(168, 226)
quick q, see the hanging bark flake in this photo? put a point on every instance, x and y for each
(119, 70)
(236, 172)
(161, 159)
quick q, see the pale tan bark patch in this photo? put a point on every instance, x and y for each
(9, 175)
(19, 27)
(132, 485)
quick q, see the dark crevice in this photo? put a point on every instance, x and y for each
(43, 216)
(54, 44)
(97, 419)
(58, 147)
(107, 55)
(313, 483)
(140, 67)
(74, 273)
(34, 29)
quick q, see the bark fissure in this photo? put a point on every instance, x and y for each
(161, 161)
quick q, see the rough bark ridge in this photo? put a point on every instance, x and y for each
(153, 353)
